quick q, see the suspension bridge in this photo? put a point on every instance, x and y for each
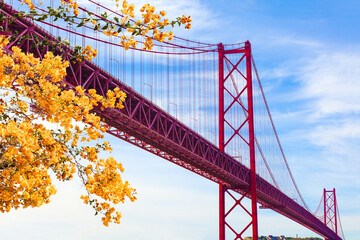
(198, 105)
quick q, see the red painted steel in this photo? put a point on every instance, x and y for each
(221, 140)
(251, 140)
(221, 98)
(324, 206)
(335, 205)
(330, 211)
(221, 212)
(251, 191)
(238, 203)
(147, 126)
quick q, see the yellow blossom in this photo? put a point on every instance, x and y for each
(31, 151)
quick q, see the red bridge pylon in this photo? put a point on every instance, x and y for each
(236, 85)
(330, 216)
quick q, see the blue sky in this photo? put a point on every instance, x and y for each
(308, 57)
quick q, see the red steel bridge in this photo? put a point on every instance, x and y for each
(198, 105)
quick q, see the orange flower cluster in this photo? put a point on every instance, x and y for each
(161, 36)
(187, 21)
(127, 9)
(150, 23)
(128, 42)
(30, 149)
(88, 53)
(29, 3)
(71, 4)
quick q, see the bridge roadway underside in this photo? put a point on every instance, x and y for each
(147, 126)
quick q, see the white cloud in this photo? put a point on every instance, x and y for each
(331, 80)
(330, 92)
(294, 40)
(323, 130)
(337, 134)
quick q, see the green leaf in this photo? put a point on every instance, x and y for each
(44, 17)
(81, 23)
(104, 15)
(105, 27)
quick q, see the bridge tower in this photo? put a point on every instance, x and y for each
(330, 211)
(243, 97)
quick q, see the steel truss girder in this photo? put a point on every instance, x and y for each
(148, 125)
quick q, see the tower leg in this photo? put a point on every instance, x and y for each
(221, 212)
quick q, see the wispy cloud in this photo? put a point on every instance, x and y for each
(322, 88)
(293, 40)
(332, 81)
(330, 89)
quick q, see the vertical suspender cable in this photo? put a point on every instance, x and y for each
(168, 80)
(124, 63)
(141, 72)
(133, 69)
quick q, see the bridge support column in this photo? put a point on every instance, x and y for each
(330, 210)
(222, 221)
(237, 85)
